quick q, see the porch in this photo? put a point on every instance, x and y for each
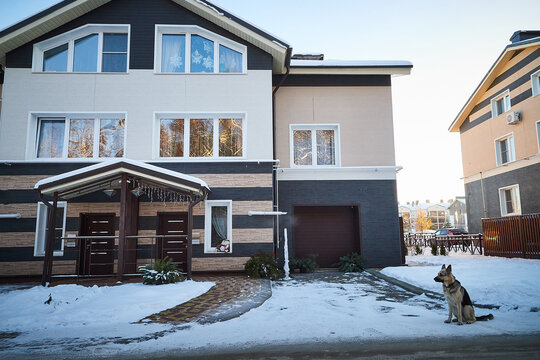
(108, 243)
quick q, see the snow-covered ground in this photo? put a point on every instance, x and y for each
(510, 283)
(299, 311)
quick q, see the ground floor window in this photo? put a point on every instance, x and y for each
(41, 229)
(218, 226)
(509, 200)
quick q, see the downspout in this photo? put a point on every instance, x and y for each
(275, 197)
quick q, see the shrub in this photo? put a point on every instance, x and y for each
(417, 250)
(434, 249)
(351, 263)
(263, 266)
(442, 250)
(163, 271)
(305, 265)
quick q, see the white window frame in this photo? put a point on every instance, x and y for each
(516, 203)
(41, 233)
(313, 128)
(208, 204)
(215, 116)
(511, 149)
(75, 34)
(34, 129)
(535, 80)
(538, 134)
(188, 30)
(504, 95)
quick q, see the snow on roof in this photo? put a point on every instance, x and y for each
(140, 164)
(351, 63)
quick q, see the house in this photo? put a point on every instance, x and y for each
(457, 211)
(138, 129)
(499, 128)
(451, 213)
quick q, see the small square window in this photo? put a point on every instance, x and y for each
(504, 148)
(509, 200)
(500, 104)
(314, 145)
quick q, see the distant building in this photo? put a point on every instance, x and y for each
(443, 214)
(499, 128)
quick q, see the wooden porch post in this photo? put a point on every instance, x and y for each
(49, 239)
(122, 227)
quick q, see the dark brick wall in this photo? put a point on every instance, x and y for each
(377, 207)
(528, 179)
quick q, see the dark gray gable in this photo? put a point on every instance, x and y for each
(142, 15)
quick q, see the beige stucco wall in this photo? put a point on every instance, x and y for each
(364, 115)
(478, 143)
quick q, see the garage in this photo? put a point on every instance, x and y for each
(328, 231)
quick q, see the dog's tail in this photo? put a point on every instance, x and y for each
(484, 317)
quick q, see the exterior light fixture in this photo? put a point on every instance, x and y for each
(137, 192)
(109, 192)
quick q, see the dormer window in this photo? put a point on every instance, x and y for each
(192, 49)
(88, 49)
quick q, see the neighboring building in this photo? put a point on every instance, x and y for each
(442, 214)
(500, 135)
(457, 211)
(192, 98)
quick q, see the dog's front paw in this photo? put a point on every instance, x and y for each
(447, 321)
(460, 323)
(469, 322)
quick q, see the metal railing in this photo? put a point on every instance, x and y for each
(512, 236)
(472, 243)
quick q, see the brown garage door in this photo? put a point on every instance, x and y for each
(329, 231)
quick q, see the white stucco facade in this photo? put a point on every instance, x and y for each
(140, 95)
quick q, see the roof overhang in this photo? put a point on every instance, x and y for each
(505, 56)
(351, 67)
(108, 174)
(68, 10)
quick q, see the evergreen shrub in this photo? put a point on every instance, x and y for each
(263, 266)
(351, 263)
(307, 264)
(162, 271)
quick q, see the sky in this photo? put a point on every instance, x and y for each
(452, 45)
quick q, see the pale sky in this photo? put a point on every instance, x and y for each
(452, 45)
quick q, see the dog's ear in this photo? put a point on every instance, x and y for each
(443, 267)
(449, 268)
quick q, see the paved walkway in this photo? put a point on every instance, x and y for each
(230, 297)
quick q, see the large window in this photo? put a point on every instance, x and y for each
(504, 148)
(314, 145)
(201, 136)
(509, 200)
(218, 226)
(41, 229)
(90, 48)
(80, 137)
(500, 104)
(191, 49)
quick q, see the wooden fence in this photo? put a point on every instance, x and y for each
(471, 242)
(512, 236)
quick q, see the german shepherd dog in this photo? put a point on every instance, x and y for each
(459, 302)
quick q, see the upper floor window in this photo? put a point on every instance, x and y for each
(192, 49)
(204, 136)
(314, 145)
(90, 48)
(80, 137)
(538, 134)
(504, 147)
(509, 200)
(500, 104)
(535, 79)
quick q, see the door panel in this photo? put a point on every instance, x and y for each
(173, 247)
(97, 255)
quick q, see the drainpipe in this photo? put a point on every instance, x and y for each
(275, 199)
(10, 216)
(483, 198)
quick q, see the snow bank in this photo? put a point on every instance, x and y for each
(509, 283)
(76, 306)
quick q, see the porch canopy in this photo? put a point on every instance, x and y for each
(128, 176)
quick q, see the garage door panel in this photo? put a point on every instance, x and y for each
(328, 231)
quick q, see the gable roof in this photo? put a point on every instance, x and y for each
(503, 58)
(67, 10)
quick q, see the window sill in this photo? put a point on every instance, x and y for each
(214, 251)
(56, 253)
(202, 73)
(80, 73)
(506, 163)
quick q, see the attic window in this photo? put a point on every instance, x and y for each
(191, 49)
(500, 104)
(87, 49)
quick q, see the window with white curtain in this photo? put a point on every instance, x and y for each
(192, 49)
(41, 229)
(218, 226)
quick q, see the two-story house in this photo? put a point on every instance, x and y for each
(141, 118)
(499, 128)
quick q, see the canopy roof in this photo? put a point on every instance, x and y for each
(108, 174)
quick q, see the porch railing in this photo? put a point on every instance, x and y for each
(472, 243)
(86, 256)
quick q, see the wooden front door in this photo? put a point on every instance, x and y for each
(173, 247)
(96, 256)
